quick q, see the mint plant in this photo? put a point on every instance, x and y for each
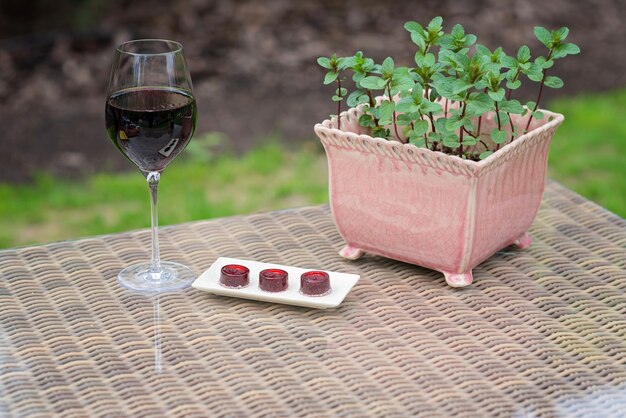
(442, 101)
(334, 65)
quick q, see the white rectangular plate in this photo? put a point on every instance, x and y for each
(340, 284)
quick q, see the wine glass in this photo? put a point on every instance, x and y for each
(150, 118)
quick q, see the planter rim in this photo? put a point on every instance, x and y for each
(330, 135)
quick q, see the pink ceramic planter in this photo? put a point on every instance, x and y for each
(432, 209)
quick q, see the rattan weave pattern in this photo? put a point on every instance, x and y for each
(541, 332)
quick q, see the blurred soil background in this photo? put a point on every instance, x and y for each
(252, 62)
(254, 72)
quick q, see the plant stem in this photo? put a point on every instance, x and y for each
(508, 94)
(512, 127)
(369, 94)
(372, 104)
(468, 132)
(339, 104)
(499, 123)
(432, 123)
(393, 116)
(425, 136)
(462, 127)
(476, 144)
(543, 79)
(430, 114)
(480, 120)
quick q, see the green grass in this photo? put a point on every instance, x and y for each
(197, 186)
(588, 154)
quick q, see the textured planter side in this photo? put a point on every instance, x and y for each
(429, 208)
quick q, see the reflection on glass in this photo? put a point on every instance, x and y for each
(158, 359)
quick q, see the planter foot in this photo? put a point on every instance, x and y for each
(523, 241)
(351, 253)
(459, 279)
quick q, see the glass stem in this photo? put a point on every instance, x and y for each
(153, 182)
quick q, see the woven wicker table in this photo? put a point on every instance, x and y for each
(541, 332)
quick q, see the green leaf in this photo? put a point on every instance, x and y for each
(563, 50)
(509, 62)
(451, 141)
(523, 54)
(349, 62)
(406, 105)
(435, 23)
(553, 82)
(454, 122)
(511, 106)
(535, 72)
(366, 120)
(543, 62)
(482, 49)
(418, 141)
(418, 39)
(428, 107)
(325, 62)
(356, 98)
(385, 110)
(387, 67)
(544, 36)
(496, 95)
(380, 132)
(468, 125)
(414, 27)
(498, 136)
(420, 127)
(513, 85)
(337, 98)
(341, 92)
(469, 141)
(373, 82)
(429, 60)
(460, 85)
(401, 80)
(343, 63)
(485, 154)
(458, 30)
(479, 103)
(538, 115)
(404, 119)
(440, 124)
(417, 93)
(330, 77)
(435, 136)
(560, 34)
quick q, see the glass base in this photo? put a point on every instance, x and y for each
(174, 276)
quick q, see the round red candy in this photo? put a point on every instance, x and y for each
(273, 280)
(234, 275)
(315, 283)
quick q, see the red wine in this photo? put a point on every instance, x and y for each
(151, 126)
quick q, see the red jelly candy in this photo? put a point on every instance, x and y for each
(273, 280)
(234, 275)
(315, 283)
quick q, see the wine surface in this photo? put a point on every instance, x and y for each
(151, 126)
